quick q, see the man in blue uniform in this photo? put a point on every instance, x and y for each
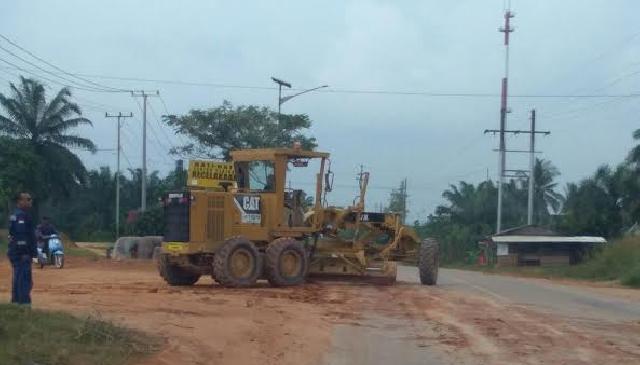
(22, 248)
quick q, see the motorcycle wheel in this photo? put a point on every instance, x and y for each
(59, 261)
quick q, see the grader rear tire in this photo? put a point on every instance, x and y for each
(428, 262)
(237, 264)
(286, 263)
(175, 275)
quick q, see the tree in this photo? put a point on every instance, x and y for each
(42, 128)
(217, 131)
(397, 200)
(544, 195)
(594, 206)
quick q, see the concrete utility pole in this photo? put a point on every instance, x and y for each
(119, 116)
(522, 173)
(144, 95)
(532, 142)
(503, 115)
(404, 200)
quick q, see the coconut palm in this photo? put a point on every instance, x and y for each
(544, 195)
(43, 127)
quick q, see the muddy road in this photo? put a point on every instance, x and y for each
(470, 318)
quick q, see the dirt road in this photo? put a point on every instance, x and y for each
(469, 318)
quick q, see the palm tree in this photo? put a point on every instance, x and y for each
(43, 128)
(544, 195)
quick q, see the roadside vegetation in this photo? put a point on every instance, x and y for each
(37, 337)
(619, 261)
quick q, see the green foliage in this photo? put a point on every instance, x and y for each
(150, 223)
(396, 202)
(216, 131)
(36, 337)
(470, 212)
(35, 137)
(619, 261)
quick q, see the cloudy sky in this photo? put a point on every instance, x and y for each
(559, 48)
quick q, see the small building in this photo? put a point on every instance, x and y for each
(536, 246)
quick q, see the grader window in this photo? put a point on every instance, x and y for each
(262, 176)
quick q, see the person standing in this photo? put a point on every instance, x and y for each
(22, 248)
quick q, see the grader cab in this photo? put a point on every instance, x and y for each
(241, 221)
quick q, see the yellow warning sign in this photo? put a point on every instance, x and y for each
(210, 174)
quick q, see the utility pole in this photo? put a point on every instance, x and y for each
(532, 142)
(404, 200)
(503, 115)
(119, 116)
(521, 173)
(144, 95)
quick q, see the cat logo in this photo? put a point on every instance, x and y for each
(249, 207)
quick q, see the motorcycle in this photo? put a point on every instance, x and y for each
(55, 255)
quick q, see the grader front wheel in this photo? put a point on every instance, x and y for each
(428, 262)
(286, 262)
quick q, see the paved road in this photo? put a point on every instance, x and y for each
(380, 340)
(543, 295)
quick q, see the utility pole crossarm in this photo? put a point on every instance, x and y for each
(514, 131)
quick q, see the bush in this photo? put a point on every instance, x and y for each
(620, 260)
(149, 223)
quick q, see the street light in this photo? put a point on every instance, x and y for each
(282, 100)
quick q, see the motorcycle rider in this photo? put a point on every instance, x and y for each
(45, 229)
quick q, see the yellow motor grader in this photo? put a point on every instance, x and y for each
(239, 222)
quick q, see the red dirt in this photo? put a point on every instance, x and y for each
(206, 324)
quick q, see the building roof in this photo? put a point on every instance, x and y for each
(530, 230)
(547, 239)
(538, 234)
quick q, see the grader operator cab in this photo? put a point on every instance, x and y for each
(239, 222)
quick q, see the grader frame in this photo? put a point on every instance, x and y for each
(252, 228)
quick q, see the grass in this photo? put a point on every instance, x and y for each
(619, 261)
(53, 338)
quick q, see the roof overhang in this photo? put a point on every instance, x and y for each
(548, 239)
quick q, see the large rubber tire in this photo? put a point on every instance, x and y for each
(428, 262)
(286, 262)
(238, 263)
(174, 274)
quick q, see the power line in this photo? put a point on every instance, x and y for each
(56, 67)
(79, 86)
(635, 94)
(160, 126)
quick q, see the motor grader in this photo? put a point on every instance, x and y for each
(240, 222)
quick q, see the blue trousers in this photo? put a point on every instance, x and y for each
(22, 281)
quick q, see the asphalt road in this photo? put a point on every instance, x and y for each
(383, 340)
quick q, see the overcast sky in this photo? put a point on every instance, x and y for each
(558, 48)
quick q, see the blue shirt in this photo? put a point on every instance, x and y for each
(22, 240)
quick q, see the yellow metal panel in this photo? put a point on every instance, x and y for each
(210, 174)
